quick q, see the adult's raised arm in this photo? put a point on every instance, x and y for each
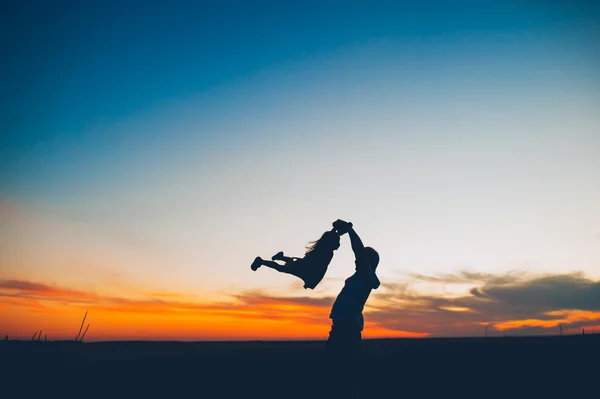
(362, 260)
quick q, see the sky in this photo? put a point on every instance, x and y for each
(149, 152)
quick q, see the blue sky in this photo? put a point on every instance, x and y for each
(76, 57)
(173, 143)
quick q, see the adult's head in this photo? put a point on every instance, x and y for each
(373, 257)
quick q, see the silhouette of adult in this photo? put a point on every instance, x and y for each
(343, 348)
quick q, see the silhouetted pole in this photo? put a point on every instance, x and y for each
(560, 328)
(45, 337)
(40, 336)
(34, 335)
(82, 321)
(583, 331)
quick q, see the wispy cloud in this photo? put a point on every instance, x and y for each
(36, 291)
(469, 277)
(246, 305)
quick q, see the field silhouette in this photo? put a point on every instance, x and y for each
(520, 367)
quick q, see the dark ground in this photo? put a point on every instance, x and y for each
(531, 367)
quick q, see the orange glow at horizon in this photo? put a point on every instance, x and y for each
(252, 318)
(129, 325)
(30, 307)
(563, 317)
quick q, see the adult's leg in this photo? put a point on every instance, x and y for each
(356, 363)
(341, 354)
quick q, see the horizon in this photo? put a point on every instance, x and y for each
(582, 333)
(151, 153)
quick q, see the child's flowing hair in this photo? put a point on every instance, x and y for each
(322, 243)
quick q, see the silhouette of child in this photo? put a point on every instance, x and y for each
(312, 267)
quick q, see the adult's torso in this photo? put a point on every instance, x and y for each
(350, 302)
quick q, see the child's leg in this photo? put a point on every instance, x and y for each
(273, 265)
(288, 268)
(281, 256)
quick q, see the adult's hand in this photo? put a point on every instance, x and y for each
(341, 226)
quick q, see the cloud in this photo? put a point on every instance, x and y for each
(253, 305)
(569, 291)
(261, 298)
(162, 294)
(30, 290)
(511, 302)
(468, 277)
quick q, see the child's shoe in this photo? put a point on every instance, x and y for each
(256, 264)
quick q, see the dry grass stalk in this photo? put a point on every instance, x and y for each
(82, 321)
(85, 332)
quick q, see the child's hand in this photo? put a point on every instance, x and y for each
(341, 226)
